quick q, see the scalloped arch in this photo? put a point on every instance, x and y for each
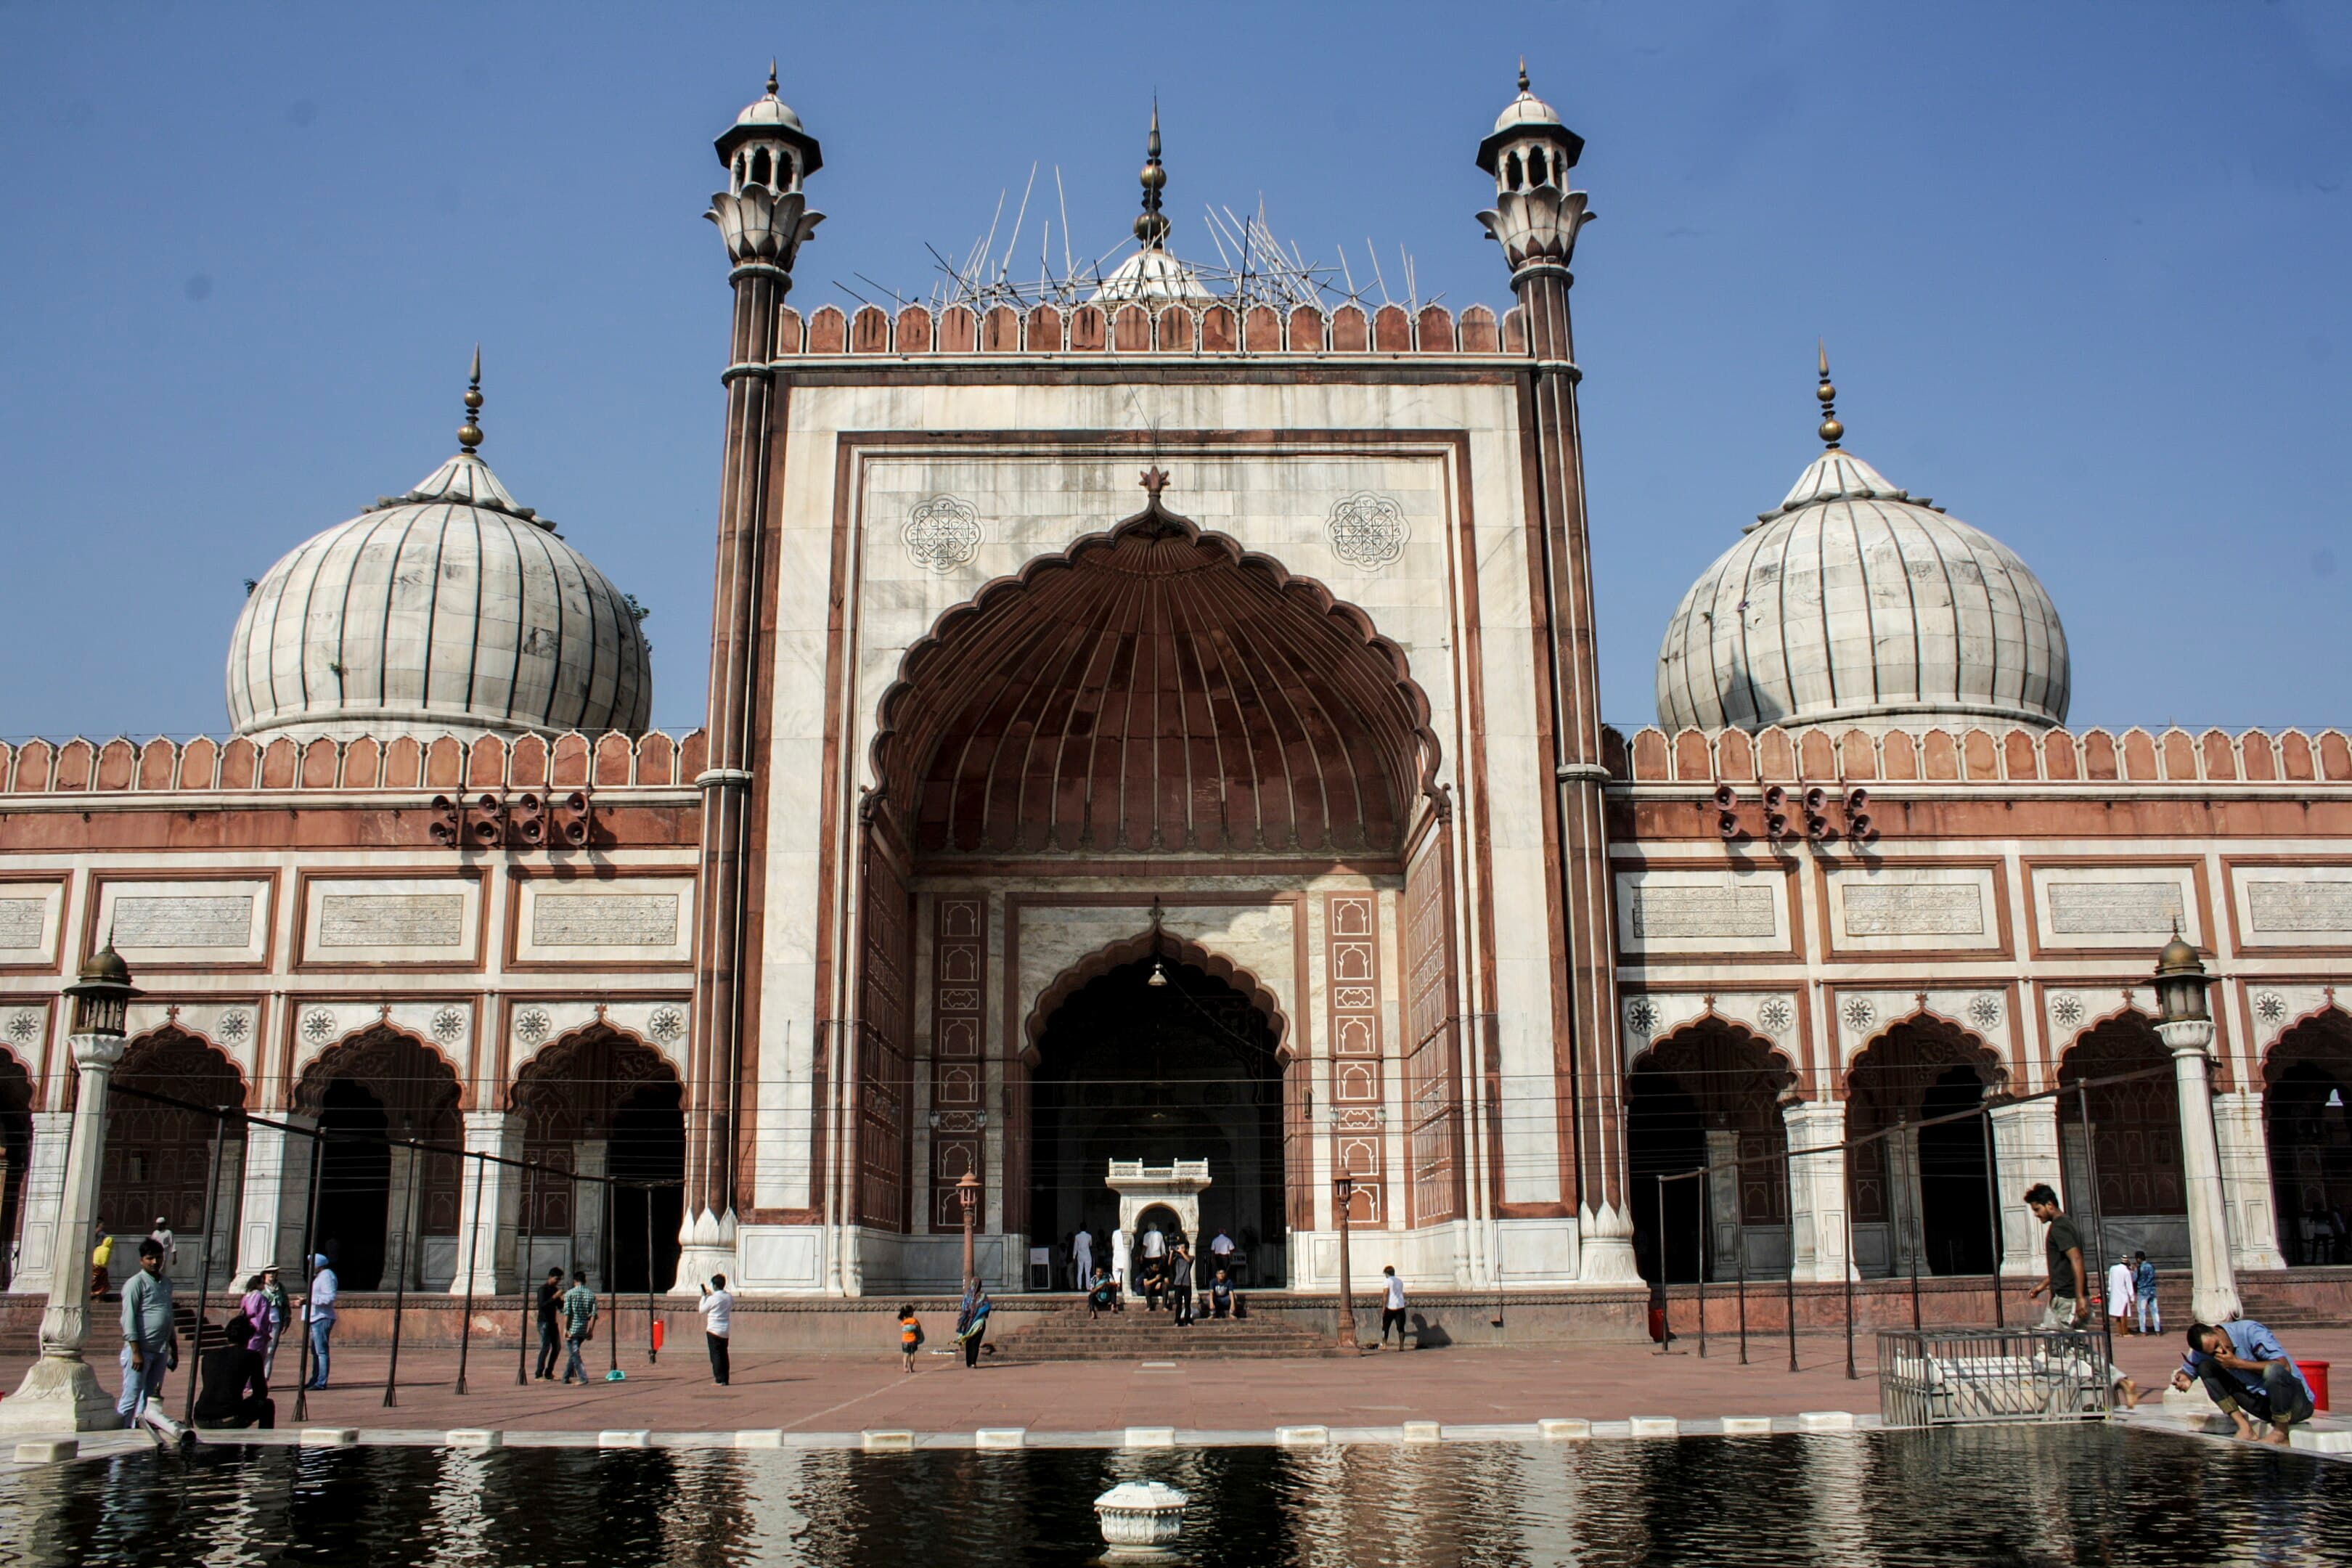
(1127, 950)
(1154, 687)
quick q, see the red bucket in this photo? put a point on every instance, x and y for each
(2314, 1373)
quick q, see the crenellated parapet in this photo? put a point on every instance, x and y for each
(2091, 758)
(1140, 329)
(202, 765)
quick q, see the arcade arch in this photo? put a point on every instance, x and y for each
(16, 1155)
(2133, 1141)
(383, 1084)
(1708, 1094)
(1921, 1193)
(159, 1158)
(602, 1103)
(2307, 1106)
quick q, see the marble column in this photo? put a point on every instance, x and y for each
(2243, 1139)
(44, 1181)
(274, 1210)
(588, 1210)
(1817, 1190)
(61, 1392)
(2024, 1151)
(403, 1218)
(1906, 1231)
(489, 1205)
(2213, 1284)
(1723, 1199)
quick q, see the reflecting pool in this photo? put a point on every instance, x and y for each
(2018, 1495)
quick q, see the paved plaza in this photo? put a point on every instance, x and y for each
(843, 1392)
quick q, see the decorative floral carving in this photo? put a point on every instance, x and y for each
(1776, 1014)
(532, 1024)
(2270, 1007)
(942, 534)
(24, 1026)
(318, 1024)
(1858, 1013)
(1984, 1012)
(449, 1025)
(2066, 1010)
(234, 1026)
(1368, 529)
(667, 1024)
(1641, 1016)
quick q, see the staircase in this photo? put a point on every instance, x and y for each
(2302, 1299)
(1139, 1335)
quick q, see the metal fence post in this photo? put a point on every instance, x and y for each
(399, 1280)
(1993, 1195)
(473, 1264)
(523, 1273)
(1847, 1273)
(1792, 1293)
(204, 1280)
(1705, 1240)
(2097, 1271)
(1665, 1302)
(1917, 1185)
(310, 1241)
(1743, 1295)
(653, 1343)
(612, 1277)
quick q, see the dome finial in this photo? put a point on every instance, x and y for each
(1831, 432)
(1151, 228)
(772, 75)
(470, 434)
(1523, 73)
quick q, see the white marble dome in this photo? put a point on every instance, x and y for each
(446, 610)
(1857, 603)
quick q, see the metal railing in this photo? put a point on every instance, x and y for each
(1983, 1377)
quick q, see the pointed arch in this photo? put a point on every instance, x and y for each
(2307, 1111)
(1151, 688)
(158, 1157)
(1145, 945)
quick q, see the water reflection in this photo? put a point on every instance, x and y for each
(2057, 1496)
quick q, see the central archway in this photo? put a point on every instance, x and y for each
(1184, 1071)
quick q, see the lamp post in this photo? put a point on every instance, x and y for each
(1343, 1189)
(968, 1194)
(2186, 1025)
(60, 1393)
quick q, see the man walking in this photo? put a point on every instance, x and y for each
(579, 1324)
(2119, 1295)
(1391, 1306)
(2062, 1246)
(2151, 1322)
(162, 1236)
(550, 1324)
(718, 1309)
(150, 1343)
(319, 1310)
(2246, 1370)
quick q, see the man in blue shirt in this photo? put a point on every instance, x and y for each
(2151, 1322)
(2246, 1370)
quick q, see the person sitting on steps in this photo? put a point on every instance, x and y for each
(1102, 1296)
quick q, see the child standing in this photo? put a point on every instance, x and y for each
(911, 1336)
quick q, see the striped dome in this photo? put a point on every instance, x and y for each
(448, 609)
(1855, 602)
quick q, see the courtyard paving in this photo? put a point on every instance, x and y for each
(844, 1393)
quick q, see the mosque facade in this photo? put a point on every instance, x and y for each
(1164, 726)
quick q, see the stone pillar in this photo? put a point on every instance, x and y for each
(1723, 1195)
(2213, 1284)
(763, 223)
(404, 1219)
(486, 1249)
(588, 1211)
(44, 1181)
(274, 1210)
(1907, 1230)
(2024, 1151)
(61, 1392)
(1817, 1194)
(2245, 1143)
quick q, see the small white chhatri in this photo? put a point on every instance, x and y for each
(1140, 1519)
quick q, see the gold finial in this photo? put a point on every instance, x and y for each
(1523, 73)
(772, 75)
(1151, 228)
(1831, 432)
(470, 434)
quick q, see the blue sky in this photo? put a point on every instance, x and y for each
(2082, 269)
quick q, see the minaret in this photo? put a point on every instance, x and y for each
(765, 218)
(1536, 218)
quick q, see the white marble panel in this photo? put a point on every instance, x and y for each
(630, 920)
(2116, 906)
(1731, 909)
(163, 924)
(1896, 908)
(2293, 906)
(30, 918)
(388, 920)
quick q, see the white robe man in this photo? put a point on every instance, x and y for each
(1154, 1244)
(2120, 1289)
(1082, 1257)
(1122, 1259)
